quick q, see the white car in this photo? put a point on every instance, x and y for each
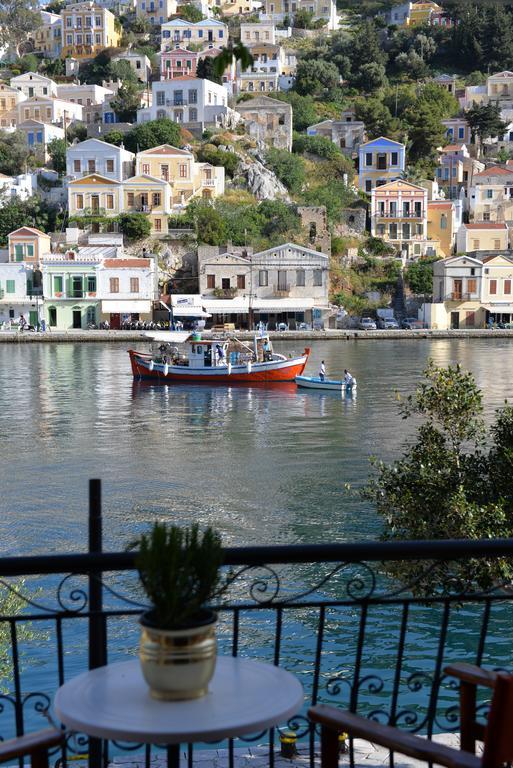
(366, 324)
(388, 324)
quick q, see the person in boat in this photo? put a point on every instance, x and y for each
(348, 379)
(267, 350)
(220, 353)
(322, 371)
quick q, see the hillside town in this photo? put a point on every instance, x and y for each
(297, 165)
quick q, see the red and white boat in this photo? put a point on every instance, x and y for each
(213, 361)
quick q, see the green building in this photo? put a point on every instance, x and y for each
(70, 283)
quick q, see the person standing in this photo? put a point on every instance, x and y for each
(348, 379)
(322, 371)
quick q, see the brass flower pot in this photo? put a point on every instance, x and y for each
(178, 663)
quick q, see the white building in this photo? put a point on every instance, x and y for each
(127, 288)
(96, 156)
(83, 93)
(49, 109)
(14, 299)
(204, 33)
(22, 186)
(259, 32)
(190, 100)
(32, 84)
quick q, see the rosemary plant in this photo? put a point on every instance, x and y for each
(179, 571)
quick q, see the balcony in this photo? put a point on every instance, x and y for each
(208, 182)
(328, 612)
(399, 215)
(282, 290)
(461, 296)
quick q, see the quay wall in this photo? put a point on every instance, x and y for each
(55, 337)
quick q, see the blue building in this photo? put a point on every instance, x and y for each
(380, 161)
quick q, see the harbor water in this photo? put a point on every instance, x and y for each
(262, 465)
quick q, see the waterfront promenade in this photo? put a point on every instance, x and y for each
(75, 336)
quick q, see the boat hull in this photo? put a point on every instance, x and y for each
(271, 372)
(311, 382)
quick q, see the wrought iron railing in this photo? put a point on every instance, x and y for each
(329, 613)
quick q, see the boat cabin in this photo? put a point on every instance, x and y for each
(209, 353)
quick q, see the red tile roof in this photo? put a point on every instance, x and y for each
(27, 232)
(126, 263)
(452, 147)
(439, 204)
(493, 170)
(486, 225)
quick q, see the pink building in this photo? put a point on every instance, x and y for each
(180, 62)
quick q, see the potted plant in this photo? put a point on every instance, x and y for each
(179, 569)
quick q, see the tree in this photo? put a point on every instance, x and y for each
(419, 276)
(127, 101)
(445, 486)
(303, 109)
(210, 225)
(33, 212)
(153, 134)
(206, 70)
(303, 19)
(289, 168)
(467, 37)
(375, 115)
(57, 151)
(232, 53)
(135, 226)
(14, 152)
(316, 78)
(18, 19)
(209, 153)
(76, 131)
(485, 121)
(366, 47)
(28, 63)
(370, 77)
(425, 131)
(497, 40)
(114, 137)
(189, 12)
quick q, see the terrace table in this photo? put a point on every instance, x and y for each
(114, 702)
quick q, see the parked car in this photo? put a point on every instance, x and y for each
(388, 323)
(367, 324)
(412, 324)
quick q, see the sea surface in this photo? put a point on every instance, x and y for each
(262, 465)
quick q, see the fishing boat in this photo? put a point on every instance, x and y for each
(314, 382)
(187, 357)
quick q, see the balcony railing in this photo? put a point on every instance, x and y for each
(399, 215)
(328, 612)
(461, 296)
(208, 182)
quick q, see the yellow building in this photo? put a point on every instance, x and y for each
(186, 177)
(421, 13)
(9, 100)
(48, 110)
(442, 224)
(28, 244)
(48, 37)
(87, 29)
(236, 7)
(149, 195)
(94, 195)
(485, 236)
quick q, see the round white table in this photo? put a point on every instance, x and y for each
(114, 702)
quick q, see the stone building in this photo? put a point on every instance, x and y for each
(315, 220)
(268, 120)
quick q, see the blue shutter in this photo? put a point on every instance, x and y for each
(31, 139)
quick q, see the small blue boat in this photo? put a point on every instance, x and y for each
(314, 382)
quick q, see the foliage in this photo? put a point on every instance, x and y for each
(55, 6)
(209, 153)
(289, 168)
(189, 12)
(127, 100)
(303, 109)
(419, 276)
(13, 604)
(445, 486)
(53, 67)
(315, 145)
(13, 152)
(316, 78)
(33, 212)
(485, 121)
(230, 53)
(99, 69)
(76, 131)
(114, 137)
(57, 152)
(206, 69)
(18, 19)
(376, 116)
(28, 63)
(303, 19)
(333, 194)
(179, 571)
(153, 134)
(135, 226)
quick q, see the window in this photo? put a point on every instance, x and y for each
(134, 285)
(110, 166)
(193, 96)
(486, 216)
(91, 284)
(30, 251)
(496, 244)
(161, 98)
(182, 169)
(157, 223)
(263, 278)
(18, 252)
(79, 199)
(493, 287)
(472, 285)
(507, 287)
(394, 158)
(226, 283)
(146, 168)
(368, 185)
(317, 277)
(489, 194)
(241, 281)
(156, 198)
(114, 284)
(368, 158)
(475, 245)
(91, 166)
(193, 115)
(443, 221)
(110, 202)
(211, 281)
(57, 284)
(130, 199)
(300, 277)
(10, 286)
(164, 172)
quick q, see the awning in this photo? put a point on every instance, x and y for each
(184, 311)
(127, 306)
(169, 337)
(285, 305)
(187, 305)
(239, 305)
